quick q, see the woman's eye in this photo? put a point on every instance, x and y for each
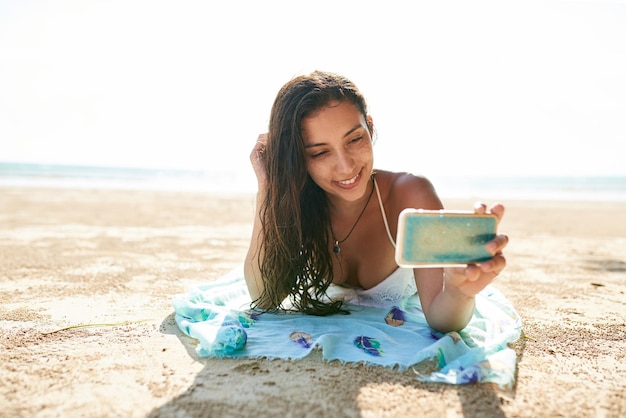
(318, 154)
(356, 139)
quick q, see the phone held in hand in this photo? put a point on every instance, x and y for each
(443, 238)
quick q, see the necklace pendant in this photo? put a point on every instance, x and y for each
(336, 248)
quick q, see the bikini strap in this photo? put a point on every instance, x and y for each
(382, 209)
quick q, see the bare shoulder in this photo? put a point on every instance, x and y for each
(406, 190)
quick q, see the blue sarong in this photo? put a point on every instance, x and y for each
(218, 315)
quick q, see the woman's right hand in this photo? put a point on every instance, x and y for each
(257, 158)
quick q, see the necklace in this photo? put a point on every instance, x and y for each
(336, 248)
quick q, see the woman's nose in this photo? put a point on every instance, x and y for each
(344, 163)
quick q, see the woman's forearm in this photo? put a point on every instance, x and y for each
(251, 267)
(445, 307)
(450, 311)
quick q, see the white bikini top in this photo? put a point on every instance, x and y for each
(398, 285)
(382, 210)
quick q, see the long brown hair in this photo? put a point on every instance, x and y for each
(296, 259)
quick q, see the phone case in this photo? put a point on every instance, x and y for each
(441, 238)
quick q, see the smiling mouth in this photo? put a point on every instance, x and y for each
(349, 181)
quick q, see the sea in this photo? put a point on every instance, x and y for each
(242, 182)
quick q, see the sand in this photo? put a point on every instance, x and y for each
(114, 259)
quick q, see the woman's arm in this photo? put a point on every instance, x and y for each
(447, 295)
(251, 267)
(445, 308)
(450, 307)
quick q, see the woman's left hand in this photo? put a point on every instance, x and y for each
(475, 277)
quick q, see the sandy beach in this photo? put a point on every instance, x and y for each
(87, 329)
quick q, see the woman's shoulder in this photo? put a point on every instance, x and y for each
(404, 179)
(402, 190)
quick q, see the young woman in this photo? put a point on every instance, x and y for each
(325, 219)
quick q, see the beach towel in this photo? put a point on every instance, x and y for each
(218, 315)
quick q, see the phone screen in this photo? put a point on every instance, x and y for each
(442, 238)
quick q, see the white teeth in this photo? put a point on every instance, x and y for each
(352, 180)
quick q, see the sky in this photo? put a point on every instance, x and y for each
(491, 88)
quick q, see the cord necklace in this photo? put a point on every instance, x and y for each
(336, 248)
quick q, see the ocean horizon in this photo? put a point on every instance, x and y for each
(236, 182)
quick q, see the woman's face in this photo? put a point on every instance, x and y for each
(339, 151)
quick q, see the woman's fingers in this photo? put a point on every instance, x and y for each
(257, 157)
(497, 210)
(494, 266)
(480, 208)
(259, 148)
(497, 244)
(262, 140)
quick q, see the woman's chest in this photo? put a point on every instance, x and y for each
(364, 261)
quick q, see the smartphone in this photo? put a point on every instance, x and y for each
(443, 238)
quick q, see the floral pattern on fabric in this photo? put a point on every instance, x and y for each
(303, 339)
(395, 317)
(370, 345)
(396, 335)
